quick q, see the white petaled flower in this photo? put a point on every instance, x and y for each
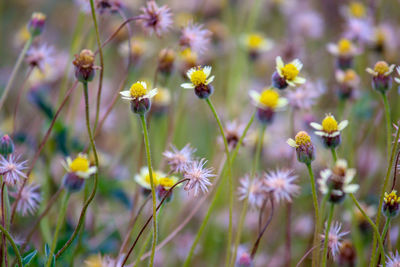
(290, 71)
(268, 98)
(329, 126)
(393, 259)
(80, 166)
(398, 73)
(198, 76)
(256, 42)
(40, 56)
(334, 238)
(11, 169)
(344, 47)
(155, 19)
(138, 91)
(253, 190)
(29, 200)
(143, 177)
(382, 68)
(177, 159)
(198, 177)
(348, 77)
(195, 37)
(281, 184)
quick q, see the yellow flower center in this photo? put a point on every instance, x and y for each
(357, 9)
(155, 179)
(255, 41)
(350, 75)
(381, 67)
(290, 72)
(198, 77)
(166, 182)
(329, 124)
(79, 164)
(391, 198)
(344, 46)
(302, 138)
(269, 98)
(137, 90)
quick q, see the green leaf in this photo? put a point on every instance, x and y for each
(27, 259)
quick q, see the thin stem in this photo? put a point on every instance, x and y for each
(96, 176)
(3, 222)
(334, 156)
(396, 165)
(60, 221)
(153, 189)
(14, 246)
(376, 230)
(15, 70)
(383, 190)
(388, 122)
(101, 62)
(385, 229)
(326, 238)
(316, 217)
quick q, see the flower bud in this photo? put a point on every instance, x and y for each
(140, 106)
(278, 81)
(72, 182)
(36, 24)
(381, 76)
(166, 60)
(6, 145)
(84, 69)
(265, 115)
(304, 147)
(203, 91)
(391, 204)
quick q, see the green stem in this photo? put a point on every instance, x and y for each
(153, 189)
(388, 122)
(96, 175)
(334, 156)
(328, 227)
(15, 248)
(60, 222)
(316, 217)
(385, 229)
(228, 159)
(376, 230)
(101, 63)
(383, 190)
(15, 70)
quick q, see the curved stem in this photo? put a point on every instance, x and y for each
(334, 156)
(153, 189)
(376, 230)
(396, 165)
(385, 230)
(14, 246)
(326, 238)
(230, 180)
(60, 221)
(96, 176)
(15, 71)
(316, 208)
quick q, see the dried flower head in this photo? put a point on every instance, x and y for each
(252, 189)
(281, 184)
(198, 176)
(39, 56)
(179, 160)
(195, 37)
(334, 238)
(84, 66)
(11, 169)
(29, 200)
(155, 19)
(393, 259)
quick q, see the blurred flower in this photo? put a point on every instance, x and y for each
(243, 258)
(391, 204)
(84, 66)
(281, 184)
(189, 58)
(345, 51)
(255, 43)
(161, 101)
(356, 9)
(143, 178)
(347, 253)
(108, 6)
(166, 59)
(384, 38)
(330, 130)
(39, 56)
(233, 131)
(6, 145)
(307, 24)
(393, 259)
(138, 47)
(360, 30)
(381, 76)
(195, 37)
(105, 261)
(267, 103)
(29, 200)
(304, 147)
(253, 190)
(287, 74)
(348, 81)
(305, 96)
(80, 166)
(334, 238)
(200, 81)
(156, 19)
(11, 169)
(336, 182)
(36, 24)
(179, 160)
(198, 176)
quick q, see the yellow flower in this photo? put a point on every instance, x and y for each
(301, 139)
(168, 182)
(80, 166)
(344, 47)
(357, 9)
(268, 98)
(329, 126)
(290, 71)
(143, 178)
(163, 98)
(256, 42)
(381, 68)
(198, 76)
(138, 91)
(391, 198)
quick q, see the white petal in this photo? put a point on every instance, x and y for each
(126, 93)
(144, 84)
(279, 62)
(282, 102)
(209, 80)
(371, 71)
(397, 80)
(332, 48)
(321, 133)
(291, 83)
(291, 142)
(152, 93)
(190, 72)
(297, 63)
(352, 188)
(255, 96)
(299, 80)
(343, 125)
(316, 126)
(187, 85)
(207, 70)
(334, 134)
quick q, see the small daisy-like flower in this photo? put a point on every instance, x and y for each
(393, 259)
(381, 68)
(11, 169)
(255, 43)
(334, 238)
(80, 166)
(195, 37)
(356, 9)
(304, 147)
(143, 178)
(381, 76)
(267, 103)
(200, 81)
(281, 184)
(139, 96)
(391, 204)
(178, 160)
(330, 130)
(30, 199)
(287, 74)
(164, 184)
(344, 47)
(336, 182)
(348, 81)
(155, 19)
(198, 177)
(39, 56)
(253, 190)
